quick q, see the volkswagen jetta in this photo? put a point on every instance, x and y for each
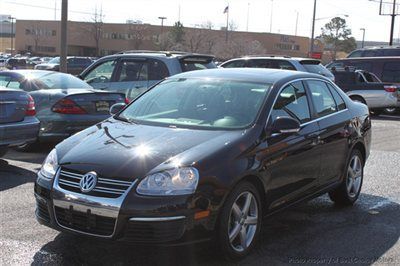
(206, 155)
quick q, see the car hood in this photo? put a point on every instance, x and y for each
(116, 149)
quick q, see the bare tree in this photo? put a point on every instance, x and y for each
(38, 33)
(232, 25)
(96, 29)
(137, 34)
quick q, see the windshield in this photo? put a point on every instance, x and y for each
(203, 103)
(55, 60)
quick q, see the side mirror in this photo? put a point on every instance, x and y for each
(79, 77)
(285, 125)
(116, 108)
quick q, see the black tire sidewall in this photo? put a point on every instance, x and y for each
(223, 221)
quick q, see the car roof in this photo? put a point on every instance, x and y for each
(21, 73)
(158, 54)
(259, 75)
(368, 58)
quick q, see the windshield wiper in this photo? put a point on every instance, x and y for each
(124, 119)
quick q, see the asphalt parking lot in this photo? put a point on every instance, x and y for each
(315, 232)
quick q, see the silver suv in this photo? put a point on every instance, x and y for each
(280, 62)
(133, 72)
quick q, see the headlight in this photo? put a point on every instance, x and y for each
(178, 181)
(49, 166)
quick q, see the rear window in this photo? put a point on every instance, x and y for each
(196, 63)
(344, 78)
(235, 63)
(316, 68)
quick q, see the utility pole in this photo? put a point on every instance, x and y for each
(362, 43)
(297, 22)
(392, 26)
(12, 33)
(63, 40)
(312, 29)
(55, 9)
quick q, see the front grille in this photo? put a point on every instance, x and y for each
(42, 210)
(85, 222)
(108, 188)
(162, 231)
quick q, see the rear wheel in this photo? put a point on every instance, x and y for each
(390, 111)
(240, 221)
(349, 190)
(358, 99)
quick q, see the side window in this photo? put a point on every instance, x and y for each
(236, 63)
(101, 73)
(322, 98)
(157, 70)
(391, 72)
(261, 63)
(132, 71)
(370, 53)
(292, 102)
(338, 99)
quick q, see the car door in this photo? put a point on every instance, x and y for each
(101, 75)
(334, 120)
(131, 77)
(292, 161)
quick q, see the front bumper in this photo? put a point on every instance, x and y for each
(129, 218)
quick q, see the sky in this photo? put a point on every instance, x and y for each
(361, 13)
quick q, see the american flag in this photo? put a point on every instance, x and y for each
(226, 9)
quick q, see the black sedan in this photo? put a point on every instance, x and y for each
(206, 155)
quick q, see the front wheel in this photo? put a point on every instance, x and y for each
(349, 190)
(240, 221)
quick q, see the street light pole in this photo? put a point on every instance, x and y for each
(12, 33)
(362, 43)
(297, 22)
(312, 29)
(162, 23)
(272, 12)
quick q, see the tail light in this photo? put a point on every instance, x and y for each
(30, 108)
(390, 88)
(127, 101)
(67, 106)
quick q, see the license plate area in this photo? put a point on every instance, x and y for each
(102, 106)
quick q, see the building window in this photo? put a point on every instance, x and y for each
(53, 33)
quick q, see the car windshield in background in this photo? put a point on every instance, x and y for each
(199, 103)
(55, 60)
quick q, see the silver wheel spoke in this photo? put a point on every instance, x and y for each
(247, 203)
(243, 237)
(354, 178)
(349, 184)
(251, 220)
(356, 184)
(235, 232)
(236, 211)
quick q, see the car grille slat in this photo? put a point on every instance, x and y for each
(105, 187)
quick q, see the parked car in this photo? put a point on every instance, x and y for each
(16, 63)
(386, 69)
(75, 64)
(18, 124)
(206, 155)
(375, 51)
(64, 104)
(133, 72)
(2, 63)
(279, 62)
(365, 87)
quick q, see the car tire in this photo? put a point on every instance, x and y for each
(3, 150)
(240, 221)
(376, 112)
(390, 111)
(349, 190)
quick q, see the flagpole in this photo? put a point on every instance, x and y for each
(227, 24)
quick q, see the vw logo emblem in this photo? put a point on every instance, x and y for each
(88, 182)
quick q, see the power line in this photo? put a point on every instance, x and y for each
(49, 8)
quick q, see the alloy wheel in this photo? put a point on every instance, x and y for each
(243, 221)
(354, 176)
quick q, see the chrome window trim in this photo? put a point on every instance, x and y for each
(303, 79)
(156, 219)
